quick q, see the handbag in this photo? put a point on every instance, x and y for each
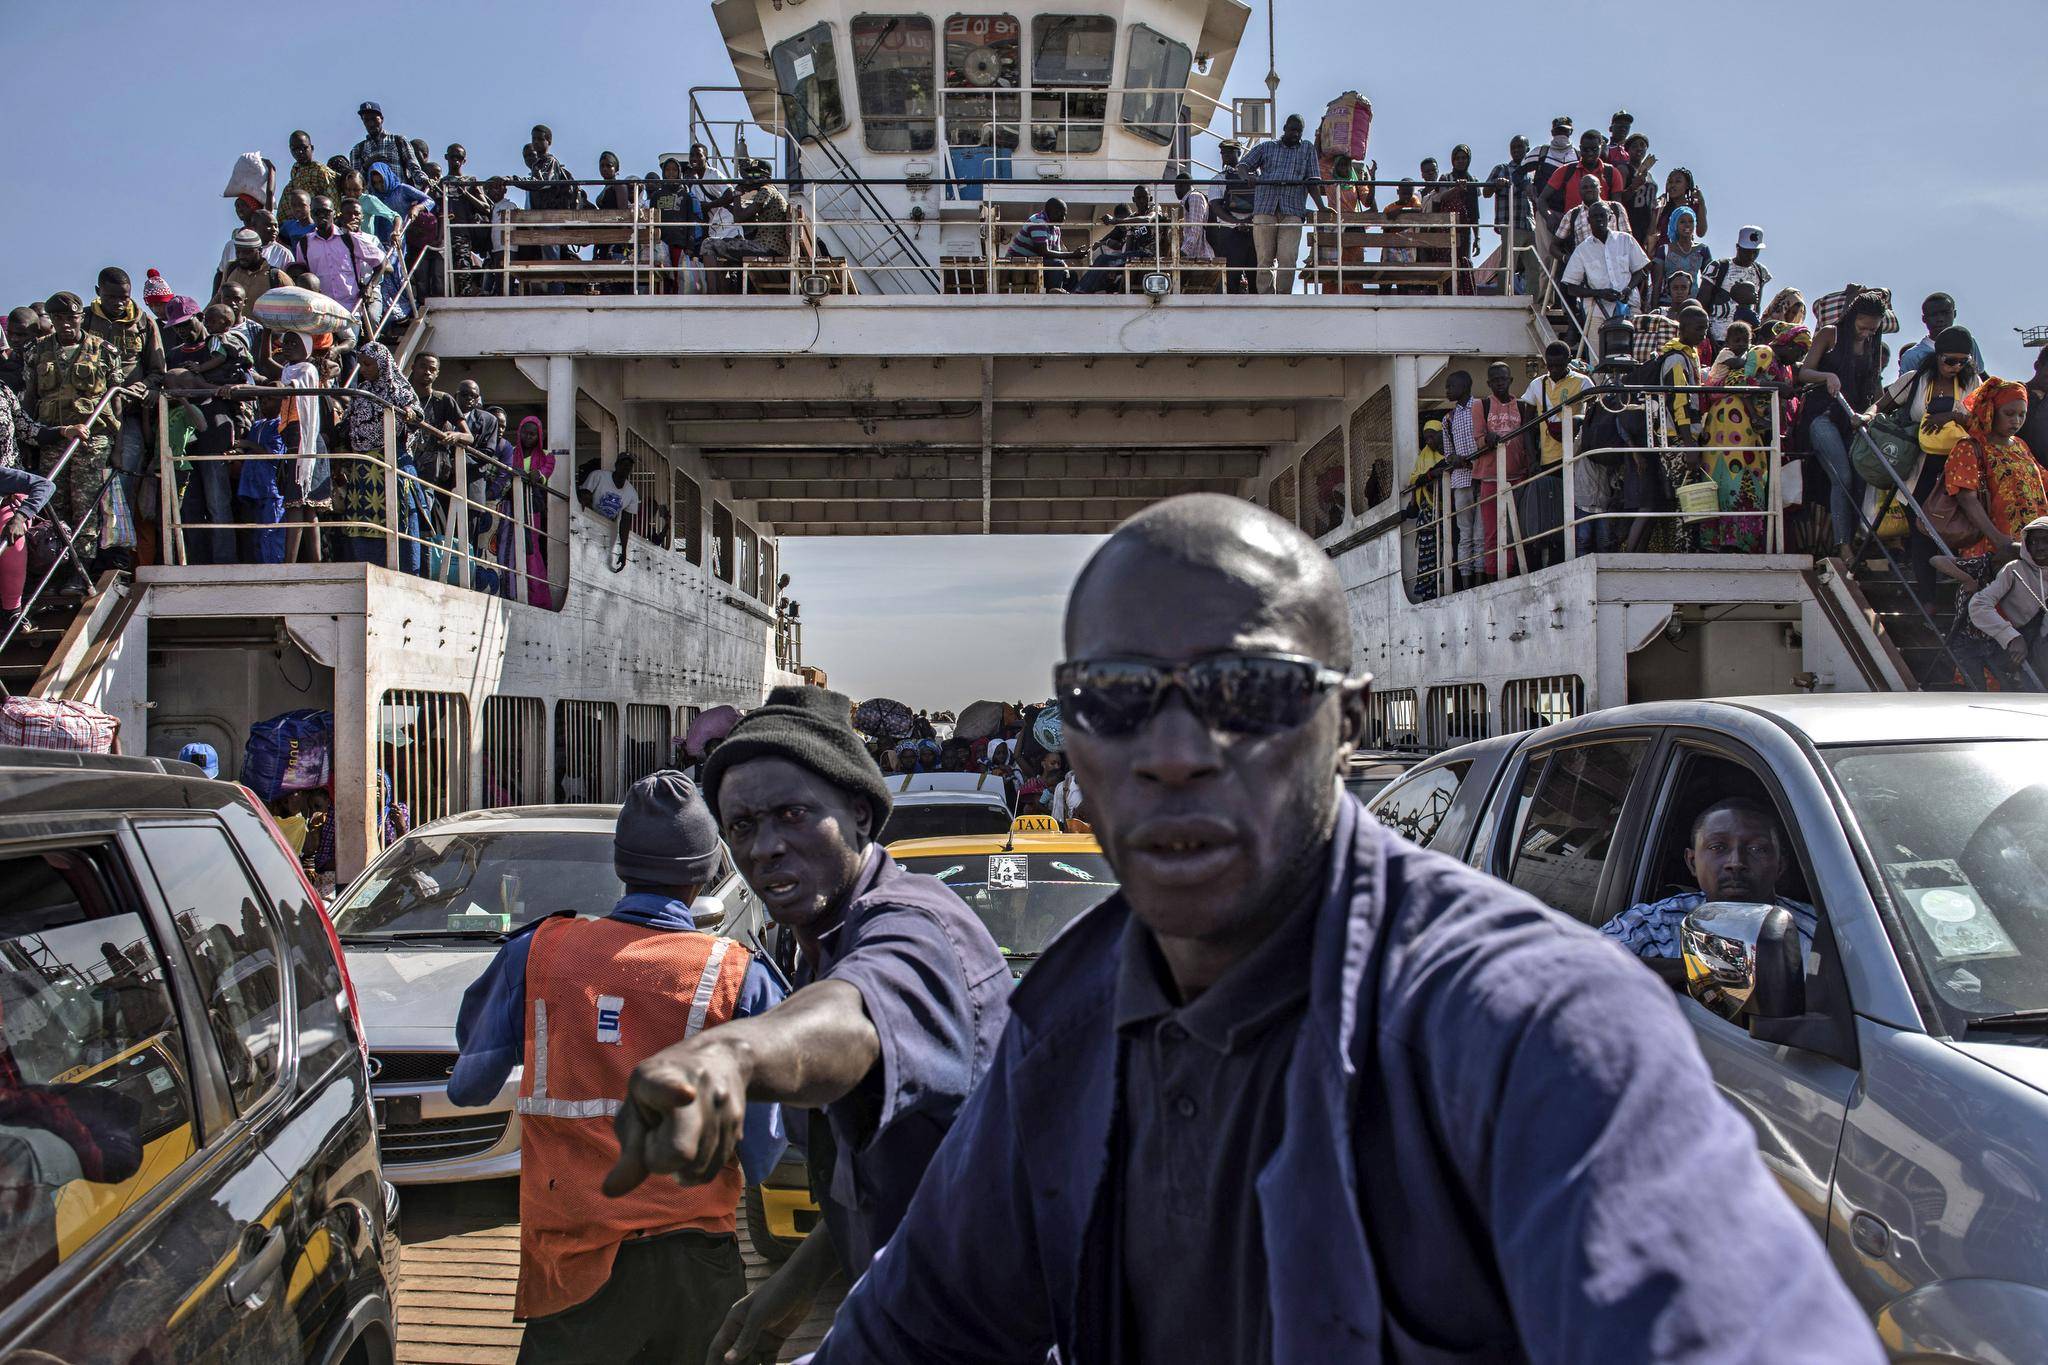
(1946, 516)
(1886, 451)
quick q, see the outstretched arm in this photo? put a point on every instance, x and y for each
(685, 1107)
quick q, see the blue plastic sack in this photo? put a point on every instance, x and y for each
(289, 753)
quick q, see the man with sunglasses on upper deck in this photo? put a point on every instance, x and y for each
(1301, 1091)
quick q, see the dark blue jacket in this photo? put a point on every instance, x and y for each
(1501, 1144)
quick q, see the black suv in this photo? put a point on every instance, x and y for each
(188, 1167)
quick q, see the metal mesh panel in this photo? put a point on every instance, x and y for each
(687, 510)
(1280, 493)
(1372, 451)
(1390, 718)
(515, 751)
(423, 747)
(646, 740)
(586, 751)
(1322, 485)
(1457, 714)
(651, 481)
(1531, 703)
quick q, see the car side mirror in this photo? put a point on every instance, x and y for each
(709, 913)
(1743, 961)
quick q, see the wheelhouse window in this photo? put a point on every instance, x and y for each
(1073, 57)
(1155, 74)
(893, 71)
(984, 55)
(807, 74)
(721, 542)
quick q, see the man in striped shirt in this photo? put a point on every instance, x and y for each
(1039, 240)
(1287, 174)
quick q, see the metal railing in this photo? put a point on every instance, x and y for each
(426, 529)
(1352, 246)
(1446, 560)
(32, 601)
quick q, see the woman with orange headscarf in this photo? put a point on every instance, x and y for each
(1992, 475)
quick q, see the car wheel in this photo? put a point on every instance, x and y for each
(771, 1248)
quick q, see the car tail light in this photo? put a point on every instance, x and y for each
(348, 984)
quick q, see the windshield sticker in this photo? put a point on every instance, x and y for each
(1951, 913)
(1075, 872)
(955, 870)
(1964, 982)
(1006, 870)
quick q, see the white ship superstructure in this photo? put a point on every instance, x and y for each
(893, 374)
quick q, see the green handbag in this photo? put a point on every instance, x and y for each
(1886, 451)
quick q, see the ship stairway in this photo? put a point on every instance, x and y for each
(857, 225)
(1904, 626)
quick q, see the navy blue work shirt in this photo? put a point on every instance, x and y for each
(1498, 1143)
(937, 990)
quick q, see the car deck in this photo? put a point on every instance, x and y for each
(461, 1264)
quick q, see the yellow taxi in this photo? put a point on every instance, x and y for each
(1026, 886)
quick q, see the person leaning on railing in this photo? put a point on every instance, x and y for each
(1039, 240)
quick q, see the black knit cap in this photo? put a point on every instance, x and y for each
(666, 835)
(812, 727)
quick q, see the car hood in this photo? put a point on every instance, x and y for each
(410, 996)
(2026, 1062)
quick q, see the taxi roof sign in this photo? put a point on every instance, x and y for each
(1034, 824)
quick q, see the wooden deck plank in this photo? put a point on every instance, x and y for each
(461, 1265)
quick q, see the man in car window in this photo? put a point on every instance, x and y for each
(901, 996)
(1736, 854)
(1302, 1091)
(651, 1276)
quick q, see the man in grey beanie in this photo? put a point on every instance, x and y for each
(581, 1001)
(901, 997)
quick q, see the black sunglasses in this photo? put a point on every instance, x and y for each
(1246, 694)
(1954, 359)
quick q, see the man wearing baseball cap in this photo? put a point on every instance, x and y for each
(1734, 288)
(579, 1001)
(378, 145)
(901, 996)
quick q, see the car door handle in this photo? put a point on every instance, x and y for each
(246, 1286)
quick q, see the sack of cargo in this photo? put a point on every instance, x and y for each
(1828, 308)
(72, 726)
(1346, 127)
(289, 308)
(246, 177)
(288, 753)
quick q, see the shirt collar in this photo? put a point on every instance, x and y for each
(654, 911)
(863, 882)
(1270, 981)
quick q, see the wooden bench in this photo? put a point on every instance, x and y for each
(1337, 254)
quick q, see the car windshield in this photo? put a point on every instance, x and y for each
(945, 820)
(1960, 834)
(479, 883)
(1023, 898)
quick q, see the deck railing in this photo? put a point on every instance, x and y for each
(491, 529)
(1638, 442)
(1352, 246)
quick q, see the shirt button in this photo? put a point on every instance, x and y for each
(1173, 1033)
(1185, 1106)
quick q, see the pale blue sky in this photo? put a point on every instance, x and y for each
(1873, 140)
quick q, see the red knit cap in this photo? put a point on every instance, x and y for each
(154, 290)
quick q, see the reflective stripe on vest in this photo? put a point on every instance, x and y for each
(540, 1102)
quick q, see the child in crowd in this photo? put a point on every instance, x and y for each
(258, 495)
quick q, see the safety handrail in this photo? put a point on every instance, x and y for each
(33, 599)
(1867, 535)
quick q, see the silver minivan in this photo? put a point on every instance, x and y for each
(1896, 1073)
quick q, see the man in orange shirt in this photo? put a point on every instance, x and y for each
(582, 1002)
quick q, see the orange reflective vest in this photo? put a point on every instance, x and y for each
(602, 996)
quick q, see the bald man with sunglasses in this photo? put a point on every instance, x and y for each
(1302, 1091)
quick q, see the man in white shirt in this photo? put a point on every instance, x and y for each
(1604, 269)
(610, 494)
